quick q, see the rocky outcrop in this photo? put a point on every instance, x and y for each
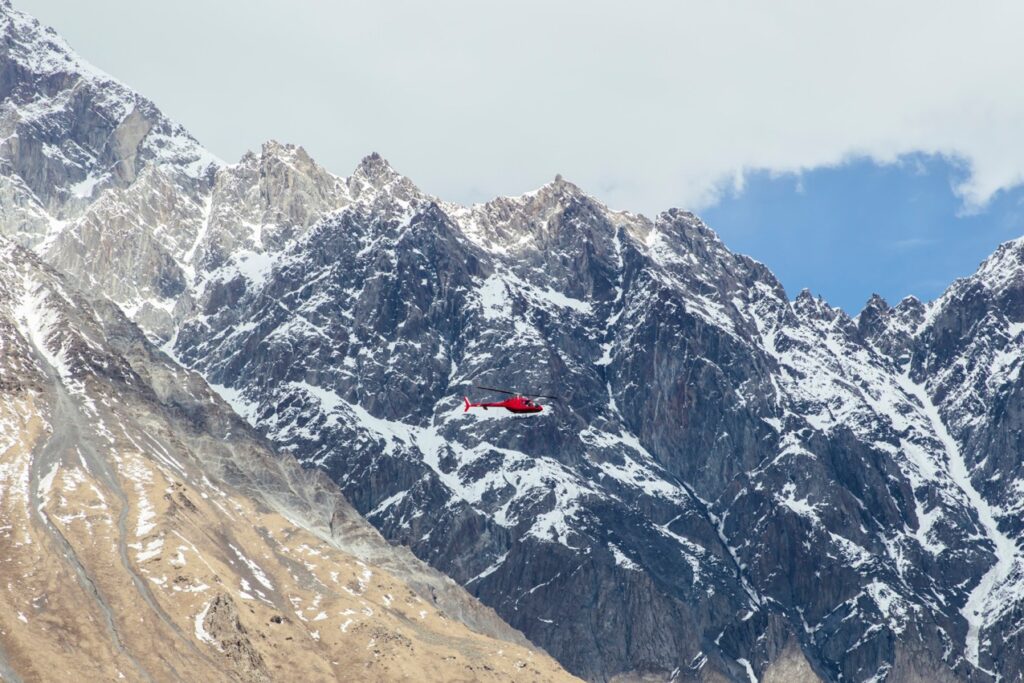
(220, 622)
(263, 201)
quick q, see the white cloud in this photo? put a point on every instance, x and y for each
(647, 104)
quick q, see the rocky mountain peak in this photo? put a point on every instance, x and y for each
(1004, 269)
(37, 48)
(549, 199)
(277, 167)
(872, 318)
(910, 302)
(559, 189)
(806, 302)
(681, 236)
(891, 330)
(909, 313)
(266, 199)
(273, 152)
(69, 130)
(555, 216)
(374, 167)
(876, 308)
(974, 308)
(287, 174)
(374, 179)
(876, 303)
(817, 313)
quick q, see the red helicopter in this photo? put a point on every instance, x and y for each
(519, 403)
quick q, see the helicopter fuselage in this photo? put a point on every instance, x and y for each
(516, 404)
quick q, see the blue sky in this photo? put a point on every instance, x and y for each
(861, 227)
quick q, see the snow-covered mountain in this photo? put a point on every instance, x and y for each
(732, 475)
(735, 485)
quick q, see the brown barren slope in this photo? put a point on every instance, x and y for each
(146, 535)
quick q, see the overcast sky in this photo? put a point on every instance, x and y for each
(853, 147)
(646, 104)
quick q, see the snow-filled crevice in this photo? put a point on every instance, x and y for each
(985, 602)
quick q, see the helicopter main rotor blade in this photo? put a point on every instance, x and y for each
(500, 391)
(517, 393)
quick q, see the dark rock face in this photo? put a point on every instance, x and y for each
(727, 471)
(969, 355)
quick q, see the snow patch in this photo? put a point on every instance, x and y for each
(200, 628)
